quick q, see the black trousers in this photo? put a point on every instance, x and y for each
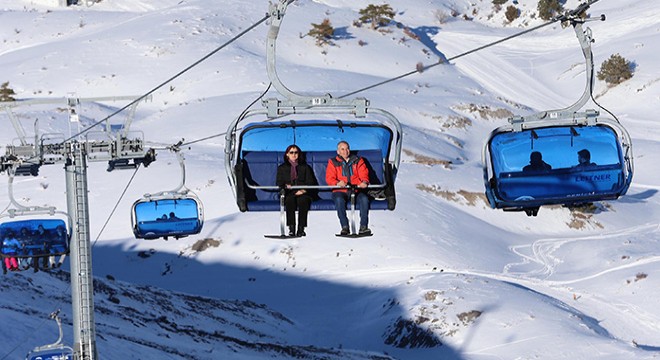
(302, 203)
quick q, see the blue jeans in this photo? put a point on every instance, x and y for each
(361, 200)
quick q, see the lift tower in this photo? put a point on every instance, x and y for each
(121, 148)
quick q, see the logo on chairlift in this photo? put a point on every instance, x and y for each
(592, 178)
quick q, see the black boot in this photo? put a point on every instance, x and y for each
(292, 230)
(301, 231)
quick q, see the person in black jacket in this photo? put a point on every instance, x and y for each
(292, 172)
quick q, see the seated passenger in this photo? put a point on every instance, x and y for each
(346, 170)
(58, 246)
(27, 239)
(10, 247)
(41, 232)
(584, 159)
(536, 163)
(41, 239)
(294, 171)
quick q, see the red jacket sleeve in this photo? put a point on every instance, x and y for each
(362, 172)
(331, 177)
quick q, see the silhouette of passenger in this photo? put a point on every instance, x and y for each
(25, 236)
(584, 159)
(536, 163)
(173, 216)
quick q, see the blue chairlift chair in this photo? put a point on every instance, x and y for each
(253, 157)
(176, 213)
(42, 233)
(514, 178)
(315, 124)
(54, 351)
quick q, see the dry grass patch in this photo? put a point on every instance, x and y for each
(201, 245)
(583, 216)
(638, 277)
(451, 121)
(468, 317)
(461, 196)
(484, 111)
(427, 160)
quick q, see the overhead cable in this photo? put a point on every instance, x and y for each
(583, 7)
(248, 29)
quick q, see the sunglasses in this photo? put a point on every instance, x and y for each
(293, 152)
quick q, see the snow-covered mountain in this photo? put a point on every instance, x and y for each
(444, 276)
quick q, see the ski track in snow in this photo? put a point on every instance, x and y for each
(543, 249)
(628, 316)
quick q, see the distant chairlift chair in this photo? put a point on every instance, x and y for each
(34, 238)
(177, 213)
(558, 136)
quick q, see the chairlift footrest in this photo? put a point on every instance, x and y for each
(282, 237)
(354, 235)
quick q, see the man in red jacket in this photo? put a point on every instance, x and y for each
(344, 170)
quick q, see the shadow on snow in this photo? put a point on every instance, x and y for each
(225, 309)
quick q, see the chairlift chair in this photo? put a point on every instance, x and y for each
(258, 150)
(176, 213)
(54, 351)
(557, 136)
(315, 124)
(34, 236)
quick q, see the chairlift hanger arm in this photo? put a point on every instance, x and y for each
(585, 39)
(181, 188)
(16, 124)
(55, 316)
(277, 12)
(21, 210)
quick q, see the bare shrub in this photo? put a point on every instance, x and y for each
(442, 16)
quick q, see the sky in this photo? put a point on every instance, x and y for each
(443, 276)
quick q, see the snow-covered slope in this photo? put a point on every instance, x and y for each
(444, 276)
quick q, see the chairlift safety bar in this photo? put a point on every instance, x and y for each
(303, 187)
